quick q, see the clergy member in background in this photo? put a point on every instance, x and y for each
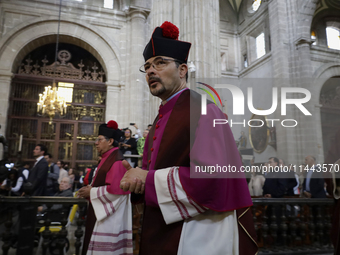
(184, 215)
(109, 217)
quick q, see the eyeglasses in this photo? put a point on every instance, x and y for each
(99, 139)
(158, 63)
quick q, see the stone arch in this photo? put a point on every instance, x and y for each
(306, 13)
(321, 75)
(28, 36)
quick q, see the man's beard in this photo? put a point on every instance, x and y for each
(158, 92)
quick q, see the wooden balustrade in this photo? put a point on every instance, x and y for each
(283, 225)
(293, 225)
(26, 208)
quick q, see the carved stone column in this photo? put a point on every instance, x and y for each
(164, 10)
(5, 83)
(112, 103)
(200, 25)
(134, 102)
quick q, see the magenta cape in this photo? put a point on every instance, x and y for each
(210, 146)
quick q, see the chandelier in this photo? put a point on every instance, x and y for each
(50, 101)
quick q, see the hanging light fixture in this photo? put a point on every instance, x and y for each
(50, 101)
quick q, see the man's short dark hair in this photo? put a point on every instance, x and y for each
(62, 163)
(275, 160)
(186, 75)
(150, 125)
(49, 155)
(27, 164)
(42, 148)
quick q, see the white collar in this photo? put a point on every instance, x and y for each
(39, 158)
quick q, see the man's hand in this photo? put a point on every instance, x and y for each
(307, 194)
(134, 179)
(268, 195)
(84, 192)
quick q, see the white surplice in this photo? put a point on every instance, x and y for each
(112, 233)
(204, 231)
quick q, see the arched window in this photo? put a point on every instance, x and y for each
(330, 112)
(313, 37)
(256, 5)
(260, 45)
(108, 4)
(333, 38)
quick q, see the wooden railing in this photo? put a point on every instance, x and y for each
(26, 208)
(293, 225)
(284, 226)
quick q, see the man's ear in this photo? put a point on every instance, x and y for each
(111, 140)
(183, 69)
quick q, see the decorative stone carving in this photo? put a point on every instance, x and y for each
(62, 69)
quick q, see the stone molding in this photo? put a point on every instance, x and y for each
(137, 12)
(256, 64)
(23, 34)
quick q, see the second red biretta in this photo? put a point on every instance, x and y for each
(110, 130)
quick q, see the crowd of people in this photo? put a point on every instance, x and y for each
(305, 180)
(44, 176)
(19, 174)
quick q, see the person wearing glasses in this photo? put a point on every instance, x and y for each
(187, 212)
(128, 146)
(109, 215)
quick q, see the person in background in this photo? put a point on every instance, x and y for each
(39, 172)
(128, 146)
(62, 172)
(52, 185)
(76, 180)
(290, 179)
(140, 146)
(81, 179)
(23, 174)
(275, 184)
(10, 182)
(138, 134)
(109, 215)
(64, 191)
(313, 186)
(256, 183)
(88, 173)
(71, 174)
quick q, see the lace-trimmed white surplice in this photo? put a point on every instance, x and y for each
(204, 231)
(112, 233)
